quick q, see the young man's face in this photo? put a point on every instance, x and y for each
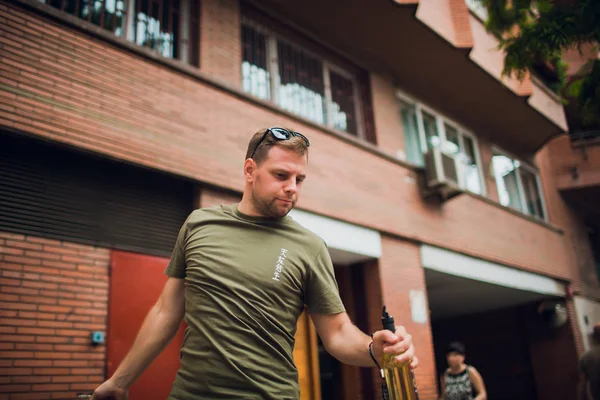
(277, 182)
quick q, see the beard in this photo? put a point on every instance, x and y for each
(270, 207)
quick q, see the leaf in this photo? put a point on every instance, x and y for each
(574, 88)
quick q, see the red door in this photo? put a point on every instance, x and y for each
(136, 281)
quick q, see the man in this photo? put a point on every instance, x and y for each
(241, 275)
(589, 365)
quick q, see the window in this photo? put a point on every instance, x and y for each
(299, 81)
(412, 139)
(169, 27)
(471, 171)
(478, 8)
(432, 136)
(518, 185)
(425, 130)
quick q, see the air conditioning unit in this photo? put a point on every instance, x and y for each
(443, 174)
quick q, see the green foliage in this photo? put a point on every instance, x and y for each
(589, 95)
(539, 31)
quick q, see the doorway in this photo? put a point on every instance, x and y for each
(136, 281)
(340, 381)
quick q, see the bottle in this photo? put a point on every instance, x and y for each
(399, 377)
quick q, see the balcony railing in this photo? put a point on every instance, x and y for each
(584, 139)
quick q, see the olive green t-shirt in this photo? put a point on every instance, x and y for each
(247, 280)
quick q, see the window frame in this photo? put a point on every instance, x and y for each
(520, 164)
(184, 44)
(478, 10)
(440, 122)
(329, 66)
(272, 38)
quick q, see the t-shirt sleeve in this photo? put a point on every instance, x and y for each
(322, 294)
(176, 267)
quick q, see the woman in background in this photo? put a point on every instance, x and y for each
(460, 381)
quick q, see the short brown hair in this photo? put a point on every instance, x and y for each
(295, 143)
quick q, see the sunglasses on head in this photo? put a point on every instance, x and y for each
(280, 134)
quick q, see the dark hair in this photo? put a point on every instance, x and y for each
(456, 347)
(294, 143)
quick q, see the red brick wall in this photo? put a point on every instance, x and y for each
(61, 84)
(220, 40)
(53, 295)
(565, 158)
(462, 25)
(387, 118)
(400, 271)
(552, 162)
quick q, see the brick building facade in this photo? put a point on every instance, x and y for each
(117, 106)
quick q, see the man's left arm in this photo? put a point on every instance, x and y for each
(343, 340)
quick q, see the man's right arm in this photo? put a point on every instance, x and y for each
(159, 328)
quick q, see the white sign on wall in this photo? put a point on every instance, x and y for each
(418, 306)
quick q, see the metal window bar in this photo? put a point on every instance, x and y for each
(343, 99)
(365, 108)
(103, 8)
(163, 30)
(99, 16)
(113, 21)
(90, 10)
(136, 23)
(157, 25)
(161, 22)
(144, 15)
(161, 15)
(76, 11)
(299, 77)
(256, 78)
(194, 46)
(170, 16)
(177, 26)
(328, 101)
